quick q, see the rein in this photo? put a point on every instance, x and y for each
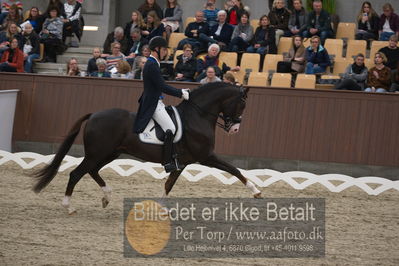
(217, 116)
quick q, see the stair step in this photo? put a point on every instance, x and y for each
(55, 67)
(80, 50)
(82, 58)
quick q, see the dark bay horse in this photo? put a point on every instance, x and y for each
(109, 133)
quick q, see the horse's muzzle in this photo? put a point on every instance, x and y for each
(234, 129)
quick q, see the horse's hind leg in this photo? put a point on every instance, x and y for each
(106, 189)
(83, 168)
(214, 161)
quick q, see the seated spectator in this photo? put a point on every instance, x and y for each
(242, 34)
(136, 22)
(379, 76)
(12, 59)
(7, 36)
(395, 80)
(355, 76)
(210, 76)
(297, 23)
(279, 17)
(51, 35)
(264, 40)
(212, 59)
(367, 23)
(6, 6)
(234, 13)
(73, 68)
(154, 27)
(318, 23)
(137, 43)
(295, 60)
(55, 4)
(150, 5)
(138, 66)
(186, 65)
(114, 57)
(317, 57)
(13, 16)
(123, 70)
(172, 17)
(101, 69)
(35, 19)
(31, 47)
(389, 23)
(221, 32)
(391, 52)
(196, 33)
(211, 13)
(72, 24)
(92, 63)
(145, 51)
(116, 36)
(228, 77)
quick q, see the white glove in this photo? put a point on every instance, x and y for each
(185, 94)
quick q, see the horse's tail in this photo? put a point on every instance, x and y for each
(47, 174)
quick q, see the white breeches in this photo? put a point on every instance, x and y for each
(162, 118)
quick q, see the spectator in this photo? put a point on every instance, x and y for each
(138, 67)
(145, 51)
(12, 59)
(150, 5)
(136, 22)
(211, 13)
(367, 23)
(13, 16)
(35, 19)
(172, 17)
(116, 36)
(101, 69)
(317, 57)
(6, 6)
(228, 77)
(196, 33)
(235, 12)
(279, 17)
(355, 75)
(212, 59)
(92, 63)
(123, 70)
(7, 36)
(72, 22)
(186, 65)
(295, 60)
(395, 80)
(73, 68)
(318, 23)
(221, 32)
(391, 52)
(242, 34)
(297, 23)
(210, 76)
(379, 76)
(137, 43)
(51, 35)
(264, 40)
(114, 57)
(389, 23)
(31, 47)
(154, 27)
(55, 4)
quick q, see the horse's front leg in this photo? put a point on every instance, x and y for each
(171, 181)
(214, 161)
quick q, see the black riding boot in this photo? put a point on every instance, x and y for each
(169, 157)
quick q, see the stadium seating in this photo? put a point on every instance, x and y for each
(334, 47)
(304, 81)
(254, 23)
(355, 47)
(175, 38)
(258, 79)
(346, 31)
(188, 21)
(270, 62)
(229, 58)
(369, 62)
(250, 61)
(177, 53)
(284, 45)
(281, 80)
(375, 46)
(340, 65)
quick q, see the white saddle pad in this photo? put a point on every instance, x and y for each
(149, 135)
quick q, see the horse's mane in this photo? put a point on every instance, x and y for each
(212, 88)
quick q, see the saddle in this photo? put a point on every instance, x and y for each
(153, 133)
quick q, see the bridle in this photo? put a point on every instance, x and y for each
(228, 120)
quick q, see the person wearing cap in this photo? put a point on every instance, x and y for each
(151, 105)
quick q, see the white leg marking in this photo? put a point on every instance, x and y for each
(252, 187)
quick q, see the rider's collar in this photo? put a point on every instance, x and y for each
(156, 60)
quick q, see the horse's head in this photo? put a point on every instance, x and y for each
(232, 110)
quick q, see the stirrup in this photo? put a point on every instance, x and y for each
(173, 166)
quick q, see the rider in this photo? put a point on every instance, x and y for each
(151, 105)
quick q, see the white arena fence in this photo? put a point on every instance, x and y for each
(261, 177)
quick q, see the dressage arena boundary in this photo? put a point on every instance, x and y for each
(327, 180)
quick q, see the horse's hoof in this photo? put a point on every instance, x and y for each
(105, 202)
(258, 195)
